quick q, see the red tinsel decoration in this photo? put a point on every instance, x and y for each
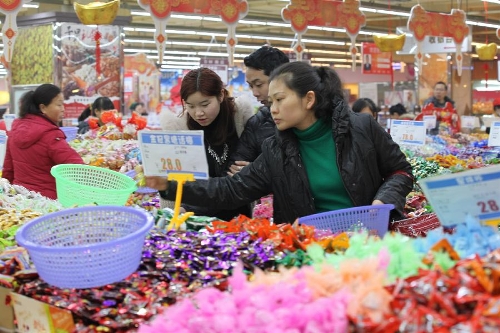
(486, 67)
(97, 38)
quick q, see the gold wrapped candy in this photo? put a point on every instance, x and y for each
(389, 43)
(99, 13)
(486, 51)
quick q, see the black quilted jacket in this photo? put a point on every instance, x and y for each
(371, 165)
(257, 129)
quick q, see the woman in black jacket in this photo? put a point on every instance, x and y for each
(324, 156)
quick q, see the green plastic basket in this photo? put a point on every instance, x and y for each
(80, 185)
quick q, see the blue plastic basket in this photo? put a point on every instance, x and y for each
(143, 189)
(86, 247)
(70, 132)
(369, 218)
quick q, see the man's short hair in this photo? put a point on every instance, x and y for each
(266, 58)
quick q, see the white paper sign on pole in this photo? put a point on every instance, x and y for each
(454, 196)
(494, 138)
(165, 152)
(430, 122)
(469, 122)
(3, 147)
(408, 132)
(9, 119)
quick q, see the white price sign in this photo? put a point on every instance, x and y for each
(165, 152)
(469, 122)
(494, 138)
(430, 122)
(9, 119)
(408, 132)
(3, 147)
(475, 192)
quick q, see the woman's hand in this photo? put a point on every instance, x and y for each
(158, 183)
(236, 167)
(377, 202)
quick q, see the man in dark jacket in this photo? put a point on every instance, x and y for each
(259, 127)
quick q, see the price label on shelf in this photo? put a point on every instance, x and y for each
(475, 192)
(494, 138)
(469, 121)
(430, 122)
(408, 132)
(165, 152)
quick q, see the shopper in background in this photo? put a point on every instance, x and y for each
(439, 99)
(259, 127)
(365, 105)
(397, 111)
(36, 143)
(208, 107)
(323, 157)
(85, 113)
(100, 105)
(138, 107)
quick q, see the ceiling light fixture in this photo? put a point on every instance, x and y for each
(492, 1)
(278, 24)
(31, 5)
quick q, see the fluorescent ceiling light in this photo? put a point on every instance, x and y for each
(155, 51)
(187, 17)
(192, 59)
(366, 9)
(392, 12)
(483, 24)
(384, 11)
(177, 67)
(333, 60)
(31, 5)
(139, 13)
(182, 63)
(492, 1)
(252, 22)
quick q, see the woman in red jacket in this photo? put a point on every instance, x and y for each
(36, 143)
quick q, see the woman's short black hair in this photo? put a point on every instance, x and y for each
(362, 103)
(398, 108)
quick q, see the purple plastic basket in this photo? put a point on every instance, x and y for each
(141, 190)
(375, 217)
(86, 247)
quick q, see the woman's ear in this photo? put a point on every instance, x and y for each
(42, 107)
(222, 95)
(310, 98)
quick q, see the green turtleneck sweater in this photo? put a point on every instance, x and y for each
(319, 156)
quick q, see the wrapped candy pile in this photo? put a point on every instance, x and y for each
(173, 265)
(112, 128)
(18, 206)
(117, 155)
(376, 285)
(282, 307)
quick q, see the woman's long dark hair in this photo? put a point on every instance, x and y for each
(208, 83)
(31, 100)
(323, 81)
